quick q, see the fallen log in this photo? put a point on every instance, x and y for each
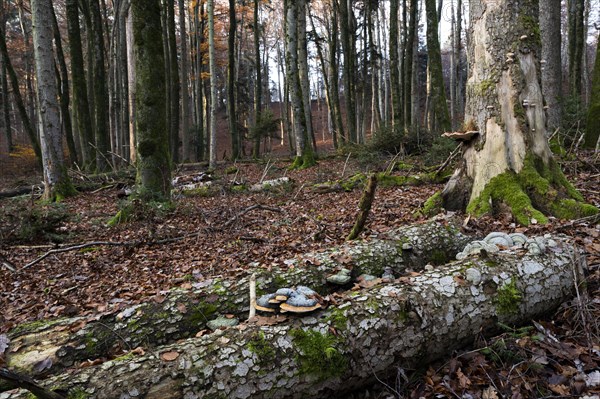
(406, 323)
(180, 313)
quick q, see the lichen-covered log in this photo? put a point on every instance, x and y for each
(400, 324)
(182, 313)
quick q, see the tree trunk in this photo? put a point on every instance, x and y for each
(100, 87)
(304, 151)
(410, 55)
(438, 120)
(231, 82)
(173, 121)
(348, 72)
(57, 184)
(304, 74)
(4, 98)
(550, 22)
(593, 119)
(404, 323)
(576, 46)
(131, 67)
(397, 122)
(408, 248)
(258, 83)
(153, 166)
(213, 85)
(509, 161)
(185, 97)
(14, 83)
(64, 95)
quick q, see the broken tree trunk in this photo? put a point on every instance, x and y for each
(182, 313)
(406, 323)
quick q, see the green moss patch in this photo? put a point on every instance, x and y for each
(508, 298)
(262, 348)
(318, 354)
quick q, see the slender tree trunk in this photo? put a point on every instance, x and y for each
(64, 96)
(593, 118)
(550, 22)
(304, 73)
(333, 51)
(232, 117)
(80, 93)
(576, 45)
(153, 161)
(258, 83)
(185, 96)
(213, 85)
(56, 180)
(173, 81)
(410, 55)
(397, 122)
(100, 89)
(347, 37)
(438, 119)
(4, 98)
(131, 86)
(14, 83)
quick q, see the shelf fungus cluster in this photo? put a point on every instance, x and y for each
(496, 241)
(299, 300)
(461, 136)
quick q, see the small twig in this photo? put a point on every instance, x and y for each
(250, 208)
(267, 167)
(449, 159)
(252, 311)
(587, 219)
(76, 247)
(23, 381)
(345, 165)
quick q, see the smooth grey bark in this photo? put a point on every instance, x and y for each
(408, 248)
(56, 179)
(550, 23)
(396, 114)
(173, 76)
(398, 324)
(303, 71)
(4, 98)
(131, 85)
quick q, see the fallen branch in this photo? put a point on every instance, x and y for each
(364, 207)
(15, 380)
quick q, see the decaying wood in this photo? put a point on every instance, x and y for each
(15, 380)
(405, 323)
(182, 313)
(364, 207)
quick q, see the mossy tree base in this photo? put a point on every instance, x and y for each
(307, 160)
(334, 351)
(536, 191)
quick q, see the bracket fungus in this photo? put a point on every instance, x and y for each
(300, 300)
(342, 277)
(461, 136)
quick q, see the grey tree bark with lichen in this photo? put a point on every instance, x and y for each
(57, 183)
(369, 332)
(510, 161)
(184, 312)
(153, 166)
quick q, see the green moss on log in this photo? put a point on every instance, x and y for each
(318, 354)
(508, 299)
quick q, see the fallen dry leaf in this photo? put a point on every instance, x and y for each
(169, 356)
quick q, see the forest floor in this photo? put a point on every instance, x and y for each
(557, 357)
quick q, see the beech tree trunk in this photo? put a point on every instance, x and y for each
(212, 160)
(404, 323)
(57, 184)
(184, 312)
(509, 161)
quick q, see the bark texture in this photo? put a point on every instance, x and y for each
(184, 312)
(56, 180)
(510, 161)
(153, 166)
(363, 336)
(552, 68)
(593, 122)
